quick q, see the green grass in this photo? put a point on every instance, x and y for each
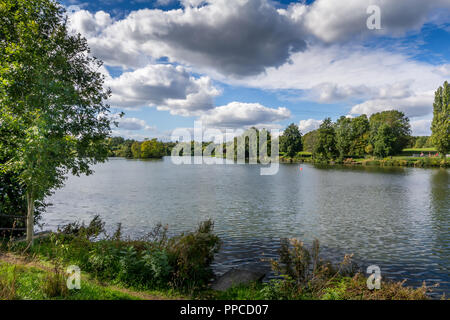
(28, 283)
(419, 150)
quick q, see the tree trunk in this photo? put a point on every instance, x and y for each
(30, 218)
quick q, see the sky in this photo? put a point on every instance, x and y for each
(234, 64)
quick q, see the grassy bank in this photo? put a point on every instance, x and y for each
(24, 281)
(406, 159)
(159, 267)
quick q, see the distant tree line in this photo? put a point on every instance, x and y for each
(132, 149)
(381, 135)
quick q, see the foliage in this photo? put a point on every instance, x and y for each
(310, 140)
(305, 276)
(120, 147)
(152, 149)
(303, 272)
(344, 137)
(291, 140)
(360, 129)
(77, 229)
(325, 149)
(55, 283)
(182, 262)
(389, 132)
(384, 141)
(355, 288)
(422, 142)
(136, 149)
(51, 99)
(440, 126)
(13, 203)
(192, 254)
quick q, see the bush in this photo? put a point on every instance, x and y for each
(429, 162)
(370, 163)
(303, 275)
(55, 284)
(303, 271)
(155, 261)
(191, 256)
(93, 230)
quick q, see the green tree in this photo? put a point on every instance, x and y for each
(384, 141)
(400, 131)
(152, 149)
(136, 149)
(310, 140)
(125, 149)
(440, 126)
(421, 142)
(291, 140)
(325, 148)
(51, 100)
(344, 136)
(360, 129)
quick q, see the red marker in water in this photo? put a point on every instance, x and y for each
(301, 169)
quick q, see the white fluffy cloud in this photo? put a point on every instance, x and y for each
(368, 79)
(235, 37)
(332, 21)
(412, 106)
(133, 124)
(238, 114)
(308, 125)
(89, 24)
(163, 86)
(241, 37)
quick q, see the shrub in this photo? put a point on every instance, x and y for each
(191, 256)
(55, 284)
(157, 261)
(370, 163)
(93, 230)
(305, 276)
(281, 289)
(429, 162)
(303, 272)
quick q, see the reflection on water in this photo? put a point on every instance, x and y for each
(397, 218)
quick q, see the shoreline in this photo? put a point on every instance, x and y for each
(412, 162)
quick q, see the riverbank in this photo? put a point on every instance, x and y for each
(175, 268)
(394, 161)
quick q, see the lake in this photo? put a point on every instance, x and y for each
(396, 218)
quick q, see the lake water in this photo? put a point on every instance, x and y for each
(396, 218)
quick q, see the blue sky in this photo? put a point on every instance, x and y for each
(241, 63)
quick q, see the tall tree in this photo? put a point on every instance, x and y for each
(440, 126)
(291, 140)
(360, 129)
(152, 149)
(344, 136)
(136, 149)
(52, 99)
(384, 141)
(325, 148)
(399, 132)
(309, 141)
